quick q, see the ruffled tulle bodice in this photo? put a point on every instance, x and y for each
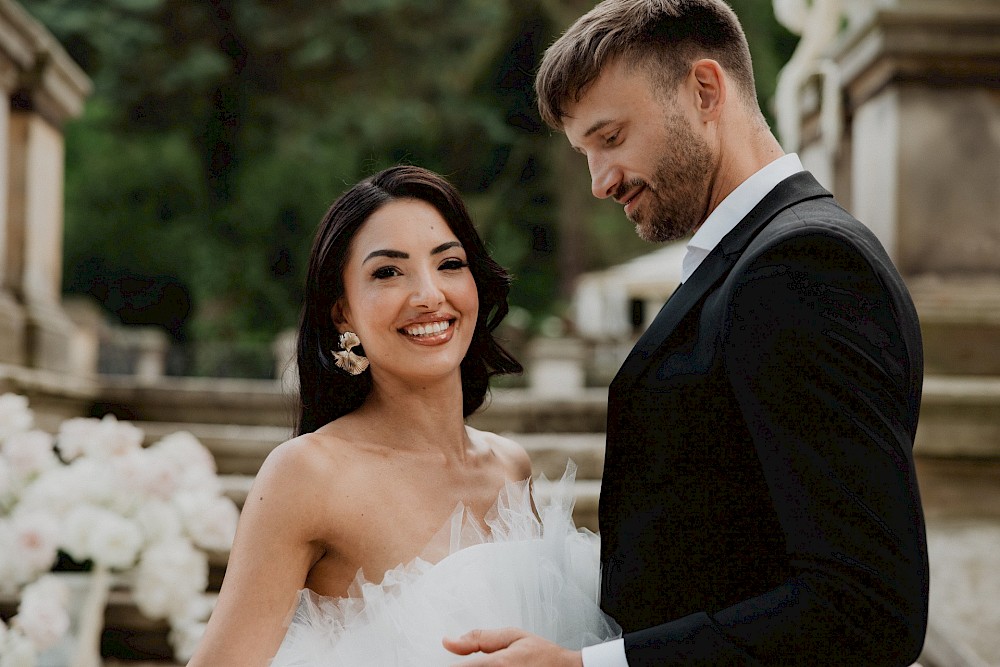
(537, 573)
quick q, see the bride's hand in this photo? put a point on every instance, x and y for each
(511, 646)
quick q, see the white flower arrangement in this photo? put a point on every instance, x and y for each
(149, 514)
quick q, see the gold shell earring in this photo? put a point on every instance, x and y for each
(353, 363)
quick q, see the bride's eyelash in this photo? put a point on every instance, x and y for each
(385, 272)
(454, 264)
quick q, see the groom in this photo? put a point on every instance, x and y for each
(759, 503)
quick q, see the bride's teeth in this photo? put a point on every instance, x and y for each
(422, 330)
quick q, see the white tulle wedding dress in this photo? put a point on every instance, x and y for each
(537, 573)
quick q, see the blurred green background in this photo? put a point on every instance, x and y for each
(220, 131)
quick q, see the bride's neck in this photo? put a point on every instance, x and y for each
(426, 418)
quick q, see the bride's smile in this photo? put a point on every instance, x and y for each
(430, 332)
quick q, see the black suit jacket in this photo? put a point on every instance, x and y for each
(759, 503)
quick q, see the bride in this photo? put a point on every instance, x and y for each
(387, 523)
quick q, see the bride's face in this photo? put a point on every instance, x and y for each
(408, 293)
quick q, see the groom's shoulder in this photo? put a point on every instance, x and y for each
(814, 223)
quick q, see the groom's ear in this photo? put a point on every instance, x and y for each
(709, 83)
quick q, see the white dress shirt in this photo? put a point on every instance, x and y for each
(720, 222)
(734, 208)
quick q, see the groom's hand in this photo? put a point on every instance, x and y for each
(511, 646)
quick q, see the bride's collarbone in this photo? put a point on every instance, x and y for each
(387, 510)
(407, 505)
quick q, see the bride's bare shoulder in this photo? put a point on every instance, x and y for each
(312, 463)
(514, 457)
(305, 453)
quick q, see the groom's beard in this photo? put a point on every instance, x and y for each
(676, 203)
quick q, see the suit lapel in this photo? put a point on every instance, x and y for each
(794, 189)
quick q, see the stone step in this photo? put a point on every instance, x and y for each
(268, 403)
(196, 399)
(959, 418)
(974, 398)
(522, 411)
(549, 453)
(237, 448)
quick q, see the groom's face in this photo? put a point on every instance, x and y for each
(644, 151)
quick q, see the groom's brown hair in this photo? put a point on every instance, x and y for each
(663, 37)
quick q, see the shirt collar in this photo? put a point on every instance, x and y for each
(734, 208)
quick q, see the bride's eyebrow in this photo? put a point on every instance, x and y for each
(392, 254)
(399, 254)
(444, 246)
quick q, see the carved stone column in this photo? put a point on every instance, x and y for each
(899, 116)
(922, 102)
(16, 55)
(50, 90)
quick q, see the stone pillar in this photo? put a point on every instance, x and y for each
(151, 347)
(35, 211)
(900, 118)
(923, 99)
(49, 91)
(556, 367)
(16, 55)
(90, 330)
(286, 368)
(12, 320)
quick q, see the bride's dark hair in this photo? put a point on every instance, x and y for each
(325, 391)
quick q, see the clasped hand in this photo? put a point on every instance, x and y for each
(511, 646)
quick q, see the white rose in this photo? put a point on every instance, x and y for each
(198, 608)
(75, 435)
(29, 453)
(114, 438)
(147, 474)
(97, 438)
(48, 587)
(36, 540)
(200, 480)
(115, 542)
(52, 491)
(94, 533)
(97, 482)
(169, 575)
(192, 463)
(18, 651)
(15, 416)
(209, 520)
(42, 615)
(77, 527)
(159, 521)
(184, 637)
(185, 450)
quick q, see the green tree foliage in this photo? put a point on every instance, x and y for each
(220, 130)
